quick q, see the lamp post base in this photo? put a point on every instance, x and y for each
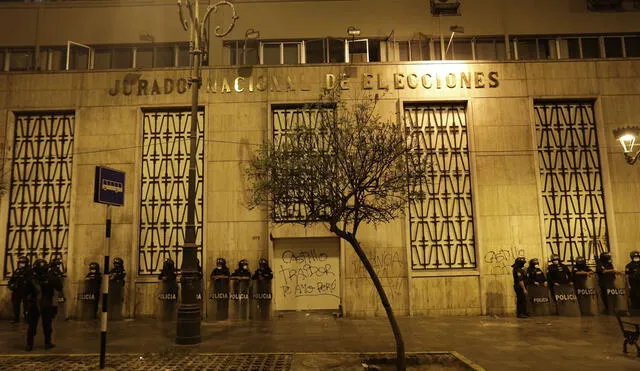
(188, 324)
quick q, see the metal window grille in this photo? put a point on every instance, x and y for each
(570, 172)
(440, 202)
(285, 119)
(40, 188)
(164, 187)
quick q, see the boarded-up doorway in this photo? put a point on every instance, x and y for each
(307, 273)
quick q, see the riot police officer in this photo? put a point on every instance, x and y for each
(168, 272)
(40, 291)
(117, 273)
(95, 280)
(580, 269)
(535, 275)
(632, 271)
(519, 277)
(17, 285)
(558, 272)
(56, 270)
(221, 271)
(606, 275)
(242, 273)
(263, 272)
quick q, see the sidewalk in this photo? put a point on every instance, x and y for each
(495, 343)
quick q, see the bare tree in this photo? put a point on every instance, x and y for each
(343, 165)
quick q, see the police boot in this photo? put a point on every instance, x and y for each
(29, 344)
(47, 341)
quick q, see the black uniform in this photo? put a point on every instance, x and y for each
(220, 273)
(264, 272)
(519, 275)
(632, 270)
(40, 293)
(241, 273)
(535, 275)
(17, 285)
(606, 279)
(559, 273)
(93, 287)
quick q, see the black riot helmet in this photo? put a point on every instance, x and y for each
(94, 267)
(221, 262)
(534, 262)
(634, 254)
(605, 257)
(168, 264)
(23, 261)
(555, 257)
(243, 264)
(581, 261)
(519, 262)
(40, 267)
(263, 263)
(118, 262)
(56, 263)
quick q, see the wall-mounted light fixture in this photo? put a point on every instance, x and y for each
(628, 138)
(353, 31)
(454, 29)
(147, 37)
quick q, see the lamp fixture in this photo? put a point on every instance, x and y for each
(627, 138)
(353, 31)
(454, 28)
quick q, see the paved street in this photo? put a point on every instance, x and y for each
(495, 343)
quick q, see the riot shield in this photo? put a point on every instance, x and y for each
(586, 287)
(239, 297)
(616, 295)
(261, 300)
(168, 296)
(566, 300)
(538, 303)
(88, 298)
(218, 308)
(60, 301)
(116, 298)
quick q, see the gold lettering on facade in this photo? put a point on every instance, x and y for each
(261, 84)
(382, 84)
(225, 86)
(367, 81)
(236, 84)
(168, 86)
(479, 80)
(155, 89)
(465, 80)
(426, 81)
(451, 80)
(329, 81)
(398, 80)
(142, 87)
(493, 79)
(288, 83)
(181, 86)
(412, 80)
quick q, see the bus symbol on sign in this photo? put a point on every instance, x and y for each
(109, 186)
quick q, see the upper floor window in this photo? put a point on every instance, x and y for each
(76, 56)
(326, 50)
(576, 47)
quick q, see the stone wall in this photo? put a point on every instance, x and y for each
(505, 181)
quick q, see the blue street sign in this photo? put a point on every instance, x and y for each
(109, 186)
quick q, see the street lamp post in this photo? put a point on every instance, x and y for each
(188, 324)
(627, 138)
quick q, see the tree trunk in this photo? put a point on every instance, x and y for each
(401, 364)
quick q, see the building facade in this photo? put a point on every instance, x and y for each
(516, 118)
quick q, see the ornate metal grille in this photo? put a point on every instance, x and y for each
(285, 119)
(440, 206)
(40, 193)
(572, 194)
(164, 188)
